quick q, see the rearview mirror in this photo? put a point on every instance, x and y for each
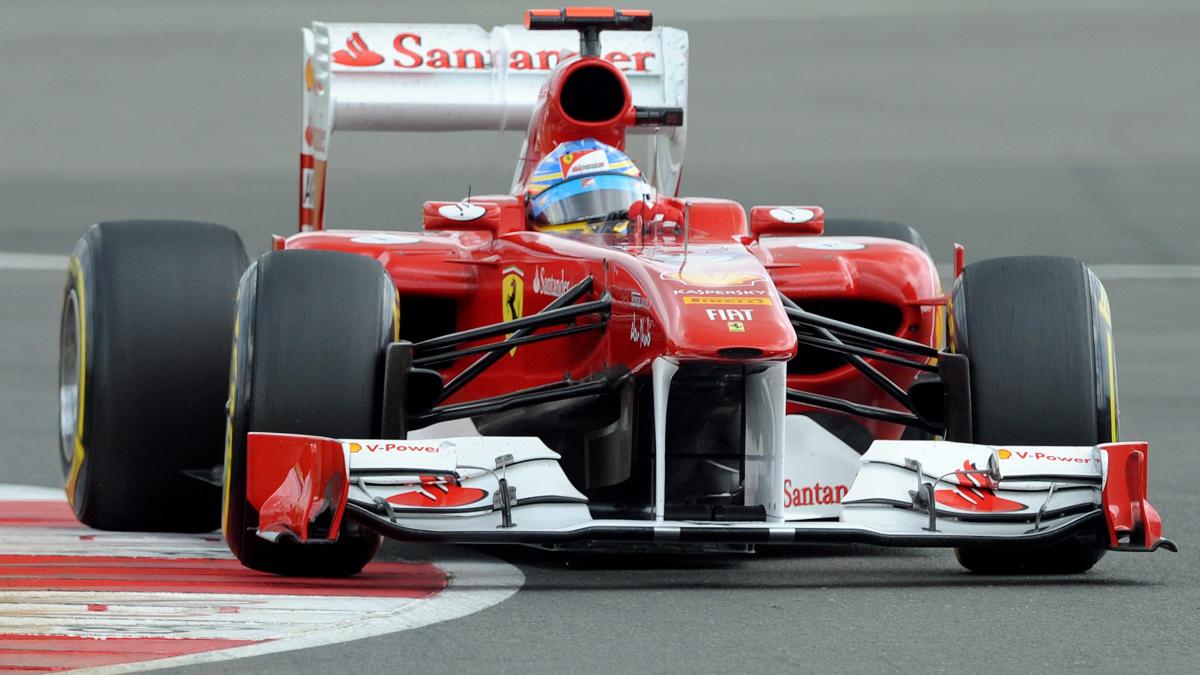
(499, 215)
(801, 220)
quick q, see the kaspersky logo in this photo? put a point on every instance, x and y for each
(975, 492)
(357, 53)
(438, 492)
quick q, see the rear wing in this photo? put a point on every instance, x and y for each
(461, 77)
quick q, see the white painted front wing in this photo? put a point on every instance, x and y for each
(877, 507)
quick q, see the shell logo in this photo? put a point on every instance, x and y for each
(713, 278)
(1004, 453)
(355, 447)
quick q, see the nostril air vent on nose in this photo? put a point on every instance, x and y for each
(740, 352)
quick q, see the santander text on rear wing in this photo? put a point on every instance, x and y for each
(460, 77)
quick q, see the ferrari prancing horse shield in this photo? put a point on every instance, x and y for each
(512, 295)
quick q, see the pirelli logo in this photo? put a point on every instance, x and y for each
(724, 300)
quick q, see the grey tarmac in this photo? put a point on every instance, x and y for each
(1012, 127)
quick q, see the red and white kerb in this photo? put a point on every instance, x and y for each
(72, 597)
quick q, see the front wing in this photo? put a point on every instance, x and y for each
(512, 490)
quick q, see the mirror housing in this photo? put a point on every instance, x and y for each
(787, 220)
(496, 214)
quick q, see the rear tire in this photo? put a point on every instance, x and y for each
(1038, 337)
(144, 346)
(309, 341)
(854, 227)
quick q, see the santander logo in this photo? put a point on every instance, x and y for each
(357, 53)
(544, 283)
(975, 492)
(809, 495)
(438, 492)
(417, 52)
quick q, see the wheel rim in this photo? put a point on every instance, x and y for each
(68, 378)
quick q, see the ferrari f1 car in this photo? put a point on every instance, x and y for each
(589, 361)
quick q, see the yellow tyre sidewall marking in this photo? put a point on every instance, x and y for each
(232, 404)
(75, 273)
(1112, 382)
(938, 337)
(1105, 312)
(395, 315)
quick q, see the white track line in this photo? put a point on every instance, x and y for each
(1147, 271)
(32, 262)
(30, 493)
(1120, 272)
(39, 262)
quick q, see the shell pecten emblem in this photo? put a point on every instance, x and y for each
(712, 279)
(512, 297)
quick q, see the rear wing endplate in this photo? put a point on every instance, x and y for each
(461, 77)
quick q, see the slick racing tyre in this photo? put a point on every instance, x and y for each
(1038, 336)
(852, 227)
(144, 345)
(309, 340)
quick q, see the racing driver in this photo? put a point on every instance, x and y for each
(588, 187)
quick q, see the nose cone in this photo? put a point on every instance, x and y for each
(720, 305)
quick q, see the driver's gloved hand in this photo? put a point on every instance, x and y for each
(662, 208)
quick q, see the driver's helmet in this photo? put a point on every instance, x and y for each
(584, 186)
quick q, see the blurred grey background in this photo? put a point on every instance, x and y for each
(1012, 126)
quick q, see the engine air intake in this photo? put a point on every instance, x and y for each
(593, 93)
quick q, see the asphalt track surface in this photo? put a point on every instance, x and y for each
(1013, 127)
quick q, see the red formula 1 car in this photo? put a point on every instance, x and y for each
(591, 360)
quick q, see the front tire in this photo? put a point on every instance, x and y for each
(144, 346)
(1037, 333)
(309, 341)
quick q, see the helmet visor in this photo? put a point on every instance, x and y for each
(587, 198)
